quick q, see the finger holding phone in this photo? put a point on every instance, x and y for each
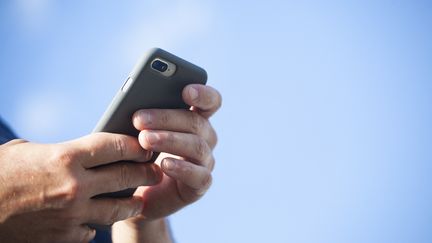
(54, 192)
(187, 140)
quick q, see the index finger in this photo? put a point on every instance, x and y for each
(103, 148)
(205, 99)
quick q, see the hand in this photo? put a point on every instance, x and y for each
(46, 190)
(187, 138)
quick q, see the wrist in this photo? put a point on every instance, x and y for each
(140, 230)
(16, 199)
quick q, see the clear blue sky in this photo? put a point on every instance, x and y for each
(326, 129)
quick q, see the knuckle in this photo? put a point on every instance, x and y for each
(187, 170)
(201, 148)
(211, 163)
(209, 100)
(206, 181)
(196, 123)
(164, 118)
(171, 139)
(64, 157)
(65, 187)
(120, 146)
(115, 214)
(124, 180)
(65, 196)
(213, 138)
(204, 185)
(71, 190)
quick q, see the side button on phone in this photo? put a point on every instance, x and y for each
(127, 84)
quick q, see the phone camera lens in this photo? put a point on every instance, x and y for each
(159, 66)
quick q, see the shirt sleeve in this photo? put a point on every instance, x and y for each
(102, 236)
(6, 133)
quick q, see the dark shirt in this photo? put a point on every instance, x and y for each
(6, 133)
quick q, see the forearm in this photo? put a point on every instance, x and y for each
(9, 205)
(18, 196)
(155, 231)
(6, 209)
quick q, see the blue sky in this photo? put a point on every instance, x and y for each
(325, 133)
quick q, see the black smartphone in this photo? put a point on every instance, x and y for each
(156, 82)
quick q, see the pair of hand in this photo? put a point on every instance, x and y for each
(46, 190)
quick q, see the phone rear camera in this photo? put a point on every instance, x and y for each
(159, 66)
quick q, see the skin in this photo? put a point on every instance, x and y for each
(46, 190)
(187, 140)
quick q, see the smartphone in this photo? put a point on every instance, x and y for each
(156, 82)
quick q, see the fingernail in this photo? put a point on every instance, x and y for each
(152, 138)
(168, 164)
(193, 93)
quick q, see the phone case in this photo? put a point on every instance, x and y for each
(146, 88)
